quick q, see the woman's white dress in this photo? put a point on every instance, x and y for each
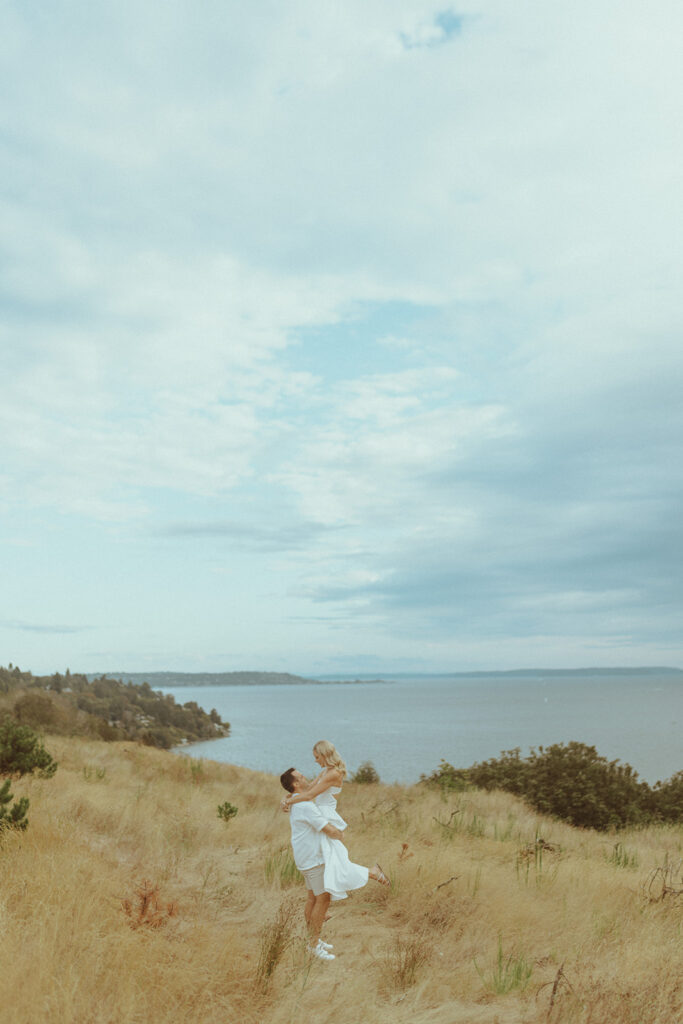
(341, 874)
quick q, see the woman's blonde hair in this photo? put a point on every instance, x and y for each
(330, 756)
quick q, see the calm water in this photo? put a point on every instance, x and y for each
(406, 726)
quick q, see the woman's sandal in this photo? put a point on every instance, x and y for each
(382, 878)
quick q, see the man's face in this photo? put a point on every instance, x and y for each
(300, 781)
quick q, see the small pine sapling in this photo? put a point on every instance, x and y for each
(226, 811)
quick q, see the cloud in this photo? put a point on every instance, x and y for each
(443, 27)
(386, 295)
(299, 536)
(49, 629)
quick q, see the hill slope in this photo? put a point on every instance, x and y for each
(485, 921)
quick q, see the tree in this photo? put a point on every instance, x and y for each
(366, 773)
(14, 816)
(22, 753)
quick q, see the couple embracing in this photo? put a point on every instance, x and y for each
(317, 841)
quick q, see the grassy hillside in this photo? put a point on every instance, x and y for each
(495, 914)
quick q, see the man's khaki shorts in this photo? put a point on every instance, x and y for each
(315, 879)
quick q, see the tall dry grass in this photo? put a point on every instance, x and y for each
(494, 914)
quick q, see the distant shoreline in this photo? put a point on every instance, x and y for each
(160, 680)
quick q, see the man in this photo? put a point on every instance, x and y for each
(307, 822)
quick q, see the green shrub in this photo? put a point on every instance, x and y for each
(365, 773)
(572, 782)
(510, 972)
(21, 751)
(14, 816)
(37, 710)
(575, 783)
(621, 858)
(279, 867)
(447, 778)
(226, 811)
(667, 799)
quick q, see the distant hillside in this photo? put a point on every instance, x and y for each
(112, 709)
(522, 673)
(158, 680)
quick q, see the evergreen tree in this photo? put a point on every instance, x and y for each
(13, 816)
(21, 751)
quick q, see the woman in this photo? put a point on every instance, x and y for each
(341, 874)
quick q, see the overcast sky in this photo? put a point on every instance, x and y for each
(341, 336)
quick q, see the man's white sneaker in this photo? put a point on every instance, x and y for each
(320, 953)
(326, 945)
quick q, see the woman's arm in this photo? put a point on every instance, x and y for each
(330, 777)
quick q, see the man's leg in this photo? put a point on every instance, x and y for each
(308, 909)
(315, 922)
(315, 910)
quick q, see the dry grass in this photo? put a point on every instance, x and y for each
(494, 914)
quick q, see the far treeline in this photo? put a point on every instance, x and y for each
(212, 678)
(572, 782)
(111, 709)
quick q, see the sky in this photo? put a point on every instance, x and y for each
(340, 338)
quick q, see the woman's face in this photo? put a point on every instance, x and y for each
(318, 757)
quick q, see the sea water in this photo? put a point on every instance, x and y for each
(406, 725)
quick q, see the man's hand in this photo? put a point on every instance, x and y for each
(284, 805)
(333, 832)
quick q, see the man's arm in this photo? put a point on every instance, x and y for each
(333, 832)
(314, 817)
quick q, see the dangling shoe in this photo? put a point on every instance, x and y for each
(378, 875)
(320, 953)
(326, 945)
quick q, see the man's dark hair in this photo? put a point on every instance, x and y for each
(287, 780)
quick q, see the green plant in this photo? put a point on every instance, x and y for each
(510, 972)
(447, 778)
(475, 828)
(12, 816)
(22, 753)
(365, 773)
(38, 710)
(667, 799)
(226, 811)
(280, 867)
(621, 858)
(573, 782)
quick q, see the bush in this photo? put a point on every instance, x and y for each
(22, 753)
(365, 773)
(667, 799)
(227, 811)
(577, 784)
(40, 711)
(14, 816)
(572, 782)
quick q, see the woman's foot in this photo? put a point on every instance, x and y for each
(320, 952)
(378, 875)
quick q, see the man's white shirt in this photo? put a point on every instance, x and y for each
(306, 821)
